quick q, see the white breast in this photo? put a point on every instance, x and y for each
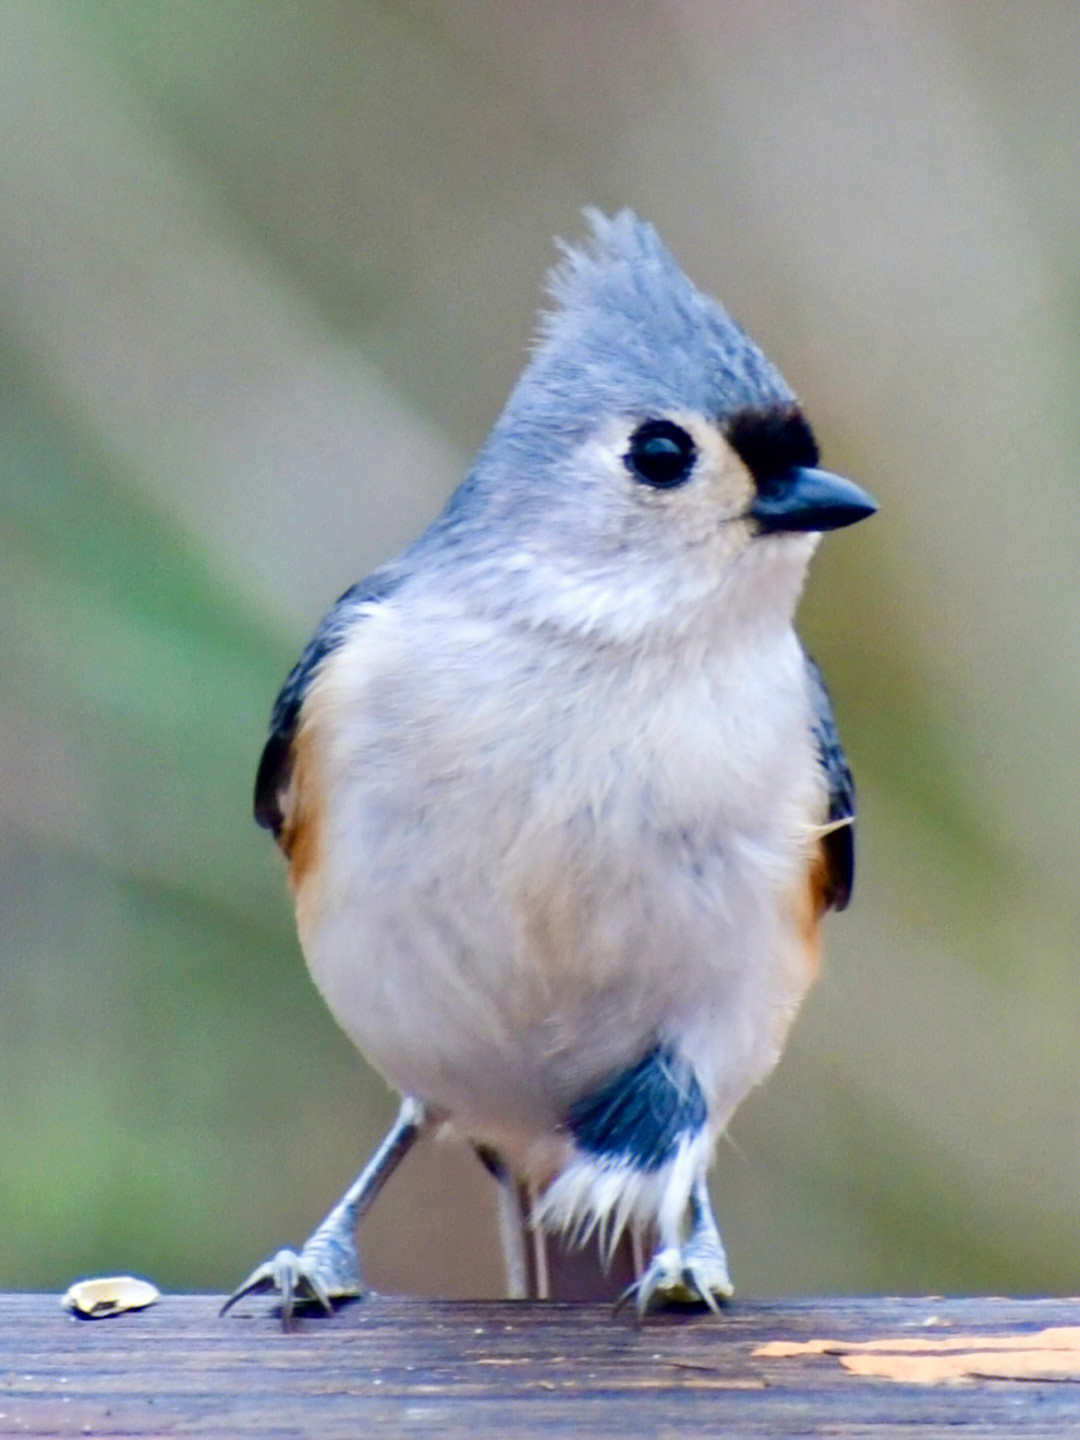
(535, 859)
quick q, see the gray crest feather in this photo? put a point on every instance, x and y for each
(632, 334)
(629, 336)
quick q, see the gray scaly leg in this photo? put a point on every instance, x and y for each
(327, 1268)
(692, 1273)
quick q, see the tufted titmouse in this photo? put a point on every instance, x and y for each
(561, 793)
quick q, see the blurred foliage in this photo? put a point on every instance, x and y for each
(266, 273)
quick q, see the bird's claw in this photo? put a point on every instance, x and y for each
(327, 1269)
(314, 1277)
(690, 1276)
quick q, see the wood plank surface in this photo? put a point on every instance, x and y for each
(396, 1366)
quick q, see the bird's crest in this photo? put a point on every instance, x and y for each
(630, 333)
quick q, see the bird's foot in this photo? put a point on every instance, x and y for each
(325, 1272)
(694, 1274)
(327, 1269)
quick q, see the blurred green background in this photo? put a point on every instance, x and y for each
(267, 272)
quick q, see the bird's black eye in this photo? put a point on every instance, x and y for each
(661, 454)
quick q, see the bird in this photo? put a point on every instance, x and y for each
(561, 794)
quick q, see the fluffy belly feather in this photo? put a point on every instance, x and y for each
(499, 926)
(502, 985)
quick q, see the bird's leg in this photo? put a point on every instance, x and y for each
(705, 1264)
(512, 1209)
(514, 1237)
(327, 1268)
(690, 1272)
(543, 1266)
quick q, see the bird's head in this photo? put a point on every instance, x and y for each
(651, 466)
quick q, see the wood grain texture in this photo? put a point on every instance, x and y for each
(408, 1366)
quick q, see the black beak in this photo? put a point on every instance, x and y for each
(805, 499)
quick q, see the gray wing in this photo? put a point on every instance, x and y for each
(275, 764)
(839, 844)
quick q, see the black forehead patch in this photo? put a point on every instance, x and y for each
(772, 440)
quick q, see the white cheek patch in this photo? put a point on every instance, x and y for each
(617, 558)
(720, 475)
